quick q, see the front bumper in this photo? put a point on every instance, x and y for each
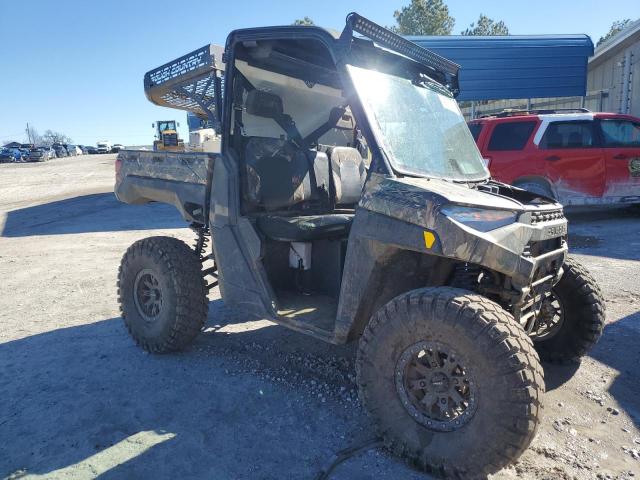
(529, 253)
(522, 252)
(544, 271)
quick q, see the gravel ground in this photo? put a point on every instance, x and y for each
(250, 400)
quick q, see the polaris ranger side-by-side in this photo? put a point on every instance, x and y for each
(350, 202)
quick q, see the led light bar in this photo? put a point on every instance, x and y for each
(390, 40)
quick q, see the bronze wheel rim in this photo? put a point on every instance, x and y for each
(550, 319)
(147, 295)
(436, 386)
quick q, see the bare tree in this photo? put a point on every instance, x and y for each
(50, 137)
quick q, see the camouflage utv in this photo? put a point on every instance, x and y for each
(350, 203)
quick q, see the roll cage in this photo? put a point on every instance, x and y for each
(196, 81)
(376, 47)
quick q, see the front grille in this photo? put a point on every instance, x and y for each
(535, 249)
(170, 139)
(546, 216)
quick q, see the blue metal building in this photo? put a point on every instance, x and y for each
(516, 66)
(196, 123)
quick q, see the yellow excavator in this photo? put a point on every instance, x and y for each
(167, 138)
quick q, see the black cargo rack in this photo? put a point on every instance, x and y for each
(193, 82)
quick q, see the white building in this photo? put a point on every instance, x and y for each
(614, 73)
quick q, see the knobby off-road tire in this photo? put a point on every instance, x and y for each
(162, 294)
(505, 381)
(583, 309)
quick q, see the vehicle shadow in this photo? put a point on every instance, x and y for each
(86, 401)
(98, 212)
(604, 232)
(619, 349)
(556, 375)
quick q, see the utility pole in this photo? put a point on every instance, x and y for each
(29, 133)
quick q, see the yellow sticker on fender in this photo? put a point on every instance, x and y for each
(429, 239)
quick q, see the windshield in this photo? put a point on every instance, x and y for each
(162, 126)
(419, 126)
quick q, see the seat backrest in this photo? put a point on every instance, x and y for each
(349, 174)
(278, 176)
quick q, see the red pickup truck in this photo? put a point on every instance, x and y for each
(577, 157)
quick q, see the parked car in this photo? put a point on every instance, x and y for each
(41, 154)
(20, 154)
(91, 150)
(66, 149)
(84, 149)
(37, 154)
(25, 153)
(60, 150)
(117, 147)
(71, 149)
(103, 147)
(576, 157)
(7, 155)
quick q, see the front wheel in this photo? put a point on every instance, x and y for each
(162, 294)
(451, 381)
(572, 317)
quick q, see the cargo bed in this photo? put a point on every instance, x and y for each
(176, 178)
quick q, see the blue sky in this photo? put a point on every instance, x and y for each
(77, 66)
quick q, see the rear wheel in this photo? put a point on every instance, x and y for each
(572, 317)
(451, 381)
(162, 294)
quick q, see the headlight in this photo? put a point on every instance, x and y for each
(480, 219)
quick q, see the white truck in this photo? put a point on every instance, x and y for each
(204, 140)
(103, 147)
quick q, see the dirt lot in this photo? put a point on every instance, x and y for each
(250, 400)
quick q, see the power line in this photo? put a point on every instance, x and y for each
(115, 135)
(11, 135)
